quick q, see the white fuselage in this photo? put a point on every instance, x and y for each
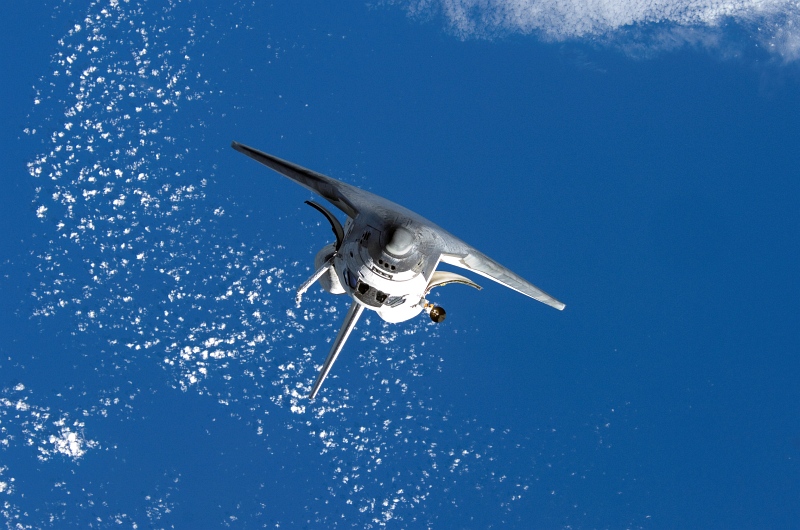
(383, 268)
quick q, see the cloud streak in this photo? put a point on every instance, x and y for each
(774, 24)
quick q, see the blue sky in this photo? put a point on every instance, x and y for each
(640, 165)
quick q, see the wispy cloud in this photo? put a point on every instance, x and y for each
(651, 24)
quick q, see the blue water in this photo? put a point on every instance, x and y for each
(154, 365)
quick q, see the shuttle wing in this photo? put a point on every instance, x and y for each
(457, 252)
(352, 200)
(347, 198)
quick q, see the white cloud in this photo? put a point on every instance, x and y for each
(774, 24)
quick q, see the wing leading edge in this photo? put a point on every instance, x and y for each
(479, 263)
(338, 193)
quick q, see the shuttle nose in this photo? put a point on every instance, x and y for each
(400, 242)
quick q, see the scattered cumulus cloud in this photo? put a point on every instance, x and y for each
(773, 24)
(37, 426)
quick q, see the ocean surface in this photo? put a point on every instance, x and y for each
(154, 366)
